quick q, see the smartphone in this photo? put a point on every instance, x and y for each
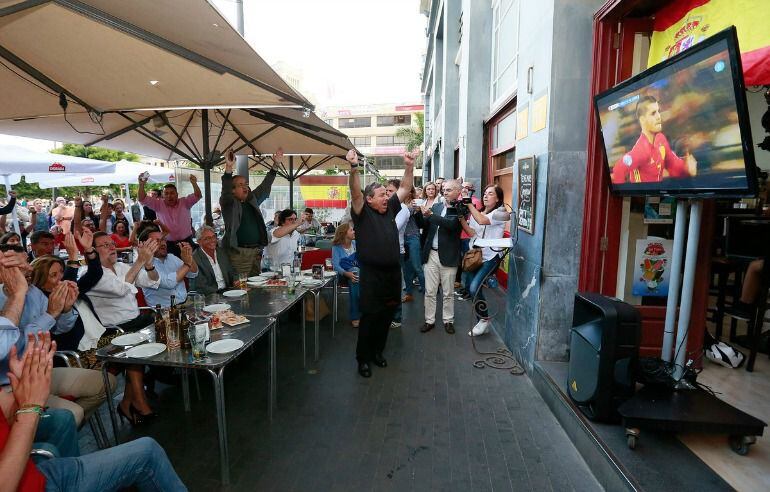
(419, 202)
(230, 155)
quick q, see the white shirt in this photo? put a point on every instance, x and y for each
(435, 238)
(402, 218)
(281, 249)
(217, 271)
(494, 230)
(114, 299)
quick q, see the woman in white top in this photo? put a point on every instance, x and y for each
(283, 240)
(431, 194)
(488, 223)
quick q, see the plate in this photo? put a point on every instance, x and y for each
(234, 293)
(129, 339)
(257, 278)
(268, 274)
(146, 350)
(256, 284)
(215, 308)
(224, 346)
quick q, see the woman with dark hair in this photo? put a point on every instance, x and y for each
(283, 239)
(120, 237)
(118, 216)
(343, 259)
(488, 223)
(10, 238)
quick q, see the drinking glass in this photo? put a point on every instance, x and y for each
(198, 302)
(197, 335)
(173, 338)
(242, 278)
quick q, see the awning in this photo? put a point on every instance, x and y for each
(684, 23)
(15, 161)
(125, 172)
(106, 55)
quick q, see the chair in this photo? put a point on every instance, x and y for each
(324, 244)
(310, 258)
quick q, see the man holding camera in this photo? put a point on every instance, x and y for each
(441, 253)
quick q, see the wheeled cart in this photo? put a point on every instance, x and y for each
(688, 410)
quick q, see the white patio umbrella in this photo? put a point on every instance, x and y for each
(18, 161)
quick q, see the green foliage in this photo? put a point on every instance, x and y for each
(98, 153)
(331, 172)
(414, 136)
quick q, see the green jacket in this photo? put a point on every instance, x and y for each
(232, 209)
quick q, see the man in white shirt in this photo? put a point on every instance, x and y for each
(284, 239)
(214, 269)
(114, 296)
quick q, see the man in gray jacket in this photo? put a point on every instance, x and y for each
(214, 269)
(245, 232)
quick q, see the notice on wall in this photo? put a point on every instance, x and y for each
(652, 260)
(539, 113)
(659, 210)
(525, 219)
(522, 123)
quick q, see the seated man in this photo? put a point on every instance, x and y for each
(41, 243)
(141, 463)
(171, 271)
(214, 269)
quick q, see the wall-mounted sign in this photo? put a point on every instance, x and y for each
(525, 219)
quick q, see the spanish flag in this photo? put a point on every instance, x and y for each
(324, 191)
(684, 23)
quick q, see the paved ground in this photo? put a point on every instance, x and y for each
(430, 421)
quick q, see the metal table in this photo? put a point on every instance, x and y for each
(213, 363)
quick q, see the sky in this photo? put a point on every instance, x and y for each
(348, 51)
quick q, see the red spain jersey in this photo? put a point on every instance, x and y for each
(646, 162)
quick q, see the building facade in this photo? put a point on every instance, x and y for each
(372, 129)
(505, 80)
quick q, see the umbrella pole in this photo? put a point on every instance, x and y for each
(206, 165)
(291, 182)
(14, 217)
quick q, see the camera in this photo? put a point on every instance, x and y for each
(461, 207)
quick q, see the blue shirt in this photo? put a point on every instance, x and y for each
(339, 254)
(34, 318)
(168, 287)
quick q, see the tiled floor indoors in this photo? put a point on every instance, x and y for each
(430, 421)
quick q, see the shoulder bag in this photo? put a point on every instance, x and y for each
(474, 258)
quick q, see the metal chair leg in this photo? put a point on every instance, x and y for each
(197, 384)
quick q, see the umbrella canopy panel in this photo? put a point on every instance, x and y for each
(125, 172)
(107, 55)
(15, 161)
(180, 134)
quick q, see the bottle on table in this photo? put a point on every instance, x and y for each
(173, 335)
(297, 265)
(160, 325)
(184, 326)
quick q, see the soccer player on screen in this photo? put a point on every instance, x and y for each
(652, 154)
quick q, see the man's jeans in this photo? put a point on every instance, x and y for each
(413, 265)
(58, 433)
(141, 463)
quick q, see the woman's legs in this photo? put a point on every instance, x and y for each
(355, 296)
(752, 281)
(134, 392)
(473, 284)
(141, 463)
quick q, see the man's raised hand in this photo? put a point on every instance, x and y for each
(409, 157)
(278, 156)
(86, 239)
(352, 157)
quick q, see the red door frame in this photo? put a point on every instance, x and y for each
(613, 43)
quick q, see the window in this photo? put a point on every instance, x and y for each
(505, 46)
(389, 162)
(329, 121)
(363, 122)
(389, 140)
(361, 141)
(402, 119)
(503, 133)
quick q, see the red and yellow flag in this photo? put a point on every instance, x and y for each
(324, 191)
(687, 22)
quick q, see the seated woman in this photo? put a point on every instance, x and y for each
(343, 248)
(141, 463)
(121, 237)
(118, 215)
(284, 239)
(488, 223)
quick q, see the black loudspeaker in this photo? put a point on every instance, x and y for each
(604, 348)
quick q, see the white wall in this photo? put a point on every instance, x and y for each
(757, 107)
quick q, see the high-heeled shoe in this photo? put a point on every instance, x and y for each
(144, 417)
(131, 418)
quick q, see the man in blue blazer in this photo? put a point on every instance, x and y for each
(441, 255)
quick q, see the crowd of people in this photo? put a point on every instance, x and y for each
(114, 261)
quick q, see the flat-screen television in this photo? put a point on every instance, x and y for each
(682, 126)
